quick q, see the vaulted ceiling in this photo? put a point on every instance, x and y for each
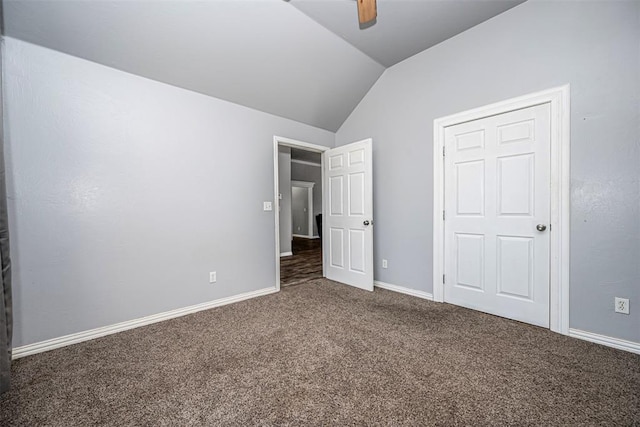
(306, 60)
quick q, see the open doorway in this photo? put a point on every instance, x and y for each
(346, 203)
(299, 195)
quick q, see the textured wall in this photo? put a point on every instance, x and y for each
(124, 193)
(594, 46)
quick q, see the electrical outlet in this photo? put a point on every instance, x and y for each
(213, 277)
(622, 305)
(267, 206)
(384, 263)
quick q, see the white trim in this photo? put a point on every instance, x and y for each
(304, 184)
(42, 346)
(282, 254)
(294, 143)
(288, 142)
(618, 343)
(305, 162)
(303, 236)
(403, 290)
(558, 98)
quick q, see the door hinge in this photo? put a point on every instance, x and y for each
(443, 151)
(443, 279)
(443, 215)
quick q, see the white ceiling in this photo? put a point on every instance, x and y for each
(306, 60)
(403, 27)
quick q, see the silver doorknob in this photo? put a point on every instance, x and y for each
(541, 227)
(366, 222)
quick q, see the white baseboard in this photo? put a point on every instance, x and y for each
(618, 343)
(403, 290)
(42, 346)
(304, 236)
(286, 254)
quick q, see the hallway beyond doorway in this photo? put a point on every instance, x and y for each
(304, 265)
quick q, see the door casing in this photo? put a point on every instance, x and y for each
(288, 142)
(558, 99)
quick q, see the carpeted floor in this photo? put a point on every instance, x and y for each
(322, 353)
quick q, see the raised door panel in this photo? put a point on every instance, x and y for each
(336, 199)
(356, 157)
(336, 246)
(515, 178)
(356, 194)
(357, 255)
(516, 131)
(336, 162)
(469, 185)
(515, 267)
(469, 261)
(469, 140)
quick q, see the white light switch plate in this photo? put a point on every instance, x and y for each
(267, 206)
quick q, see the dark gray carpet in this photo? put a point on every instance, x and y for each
(321, 353)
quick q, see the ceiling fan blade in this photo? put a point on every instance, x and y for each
(366, 11)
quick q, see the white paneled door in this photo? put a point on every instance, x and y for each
(348, 233)
(497, 214)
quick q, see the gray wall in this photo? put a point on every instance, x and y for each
(594, 46)
(284, 187)
(302, 172)
(124, 193)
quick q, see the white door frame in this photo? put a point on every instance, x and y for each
(309, 186)
(288, 142)
(558, 98)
